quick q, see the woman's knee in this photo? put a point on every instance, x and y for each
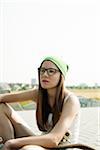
(5, 108)
(32, 147)
(2, 106)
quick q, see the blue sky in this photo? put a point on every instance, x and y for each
(31, 29)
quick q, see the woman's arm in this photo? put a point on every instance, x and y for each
(70, 109)
(19, 96)
(42, 140)
(52, 139)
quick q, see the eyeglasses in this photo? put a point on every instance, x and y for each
(50, 71)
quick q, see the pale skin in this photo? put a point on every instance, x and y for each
(10, 122)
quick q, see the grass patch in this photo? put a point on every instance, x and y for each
(88, 93)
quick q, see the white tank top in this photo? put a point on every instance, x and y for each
(74, 128)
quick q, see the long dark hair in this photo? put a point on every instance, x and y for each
(43, 107)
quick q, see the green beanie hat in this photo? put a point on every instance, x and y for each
(63, 67)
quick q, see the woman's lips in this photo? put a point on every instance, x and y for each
(45, 81)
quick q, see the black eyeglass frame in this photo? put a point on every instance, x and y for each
(47, 70)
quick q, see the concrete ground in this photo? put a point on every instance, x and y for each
(89, 125)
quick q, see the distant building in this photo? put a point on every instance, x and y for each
(33, 82)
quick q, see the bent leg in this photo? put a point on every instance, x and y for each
(11, 125)
(32, 147)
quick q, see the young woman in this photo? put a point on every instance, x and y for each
(57, 111)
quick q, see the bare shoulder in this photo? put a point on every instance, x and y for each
(70, 96)
(71, 101)
(74, 99)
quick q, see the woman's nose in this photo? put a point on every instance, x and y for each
(45, 73)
